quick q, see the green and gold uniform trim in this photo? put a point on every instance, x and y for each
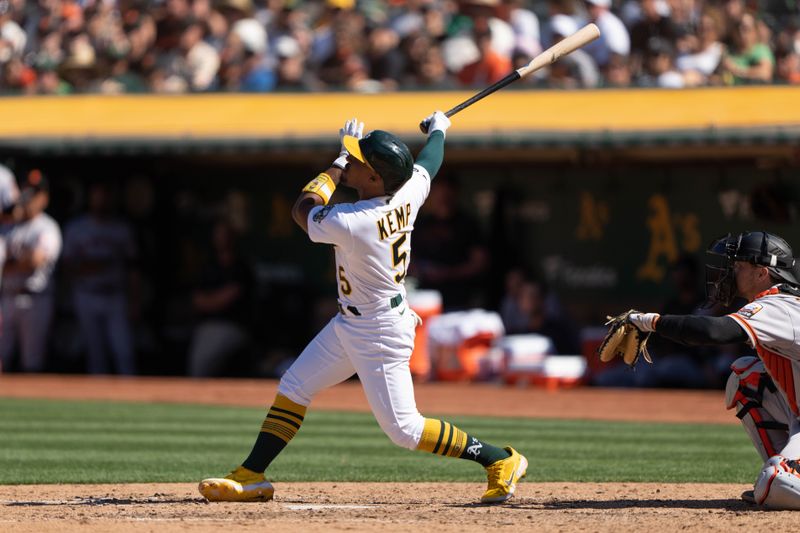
(442, 438)
(323, 186)
(284, 418)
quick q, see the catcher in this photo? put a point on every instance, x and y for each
(373, 333)
(765, 390)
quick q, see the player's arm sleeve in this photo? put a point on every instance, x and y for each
(329, 224)
(700, 330)
(432, 154)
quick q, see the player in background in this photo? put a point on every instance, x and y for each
(99, 256)
(9, 198)
(27, 294)
(9, 206)
(759, 267)
(373, 335)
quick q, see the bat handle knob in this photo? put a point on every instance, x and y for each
(424, 125)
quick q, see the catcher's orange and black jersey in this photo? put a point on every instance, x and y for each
(772, 324)
(372, 240)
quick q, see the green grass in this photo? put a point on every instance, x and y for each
(104, 442)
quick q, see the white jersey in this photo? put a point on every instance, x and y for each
(108, 242)
(9, 192)
(40, 232)
(772, 323)
(372, 240)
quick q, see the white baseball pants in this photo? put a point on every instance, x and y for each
(378, 349)
(26, 321)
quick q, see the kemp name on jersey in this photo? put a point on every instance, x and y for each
(394, 221)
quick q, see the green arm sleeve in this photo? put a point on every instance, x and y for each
(432, 154)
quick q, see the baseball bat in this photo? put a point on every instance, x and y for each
(583, 36)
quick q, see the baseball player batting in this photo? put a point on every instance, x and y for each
(759, 267)
(373, 334)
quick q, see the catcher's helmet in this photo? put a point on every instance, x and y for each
(386, 154)
(755, 247)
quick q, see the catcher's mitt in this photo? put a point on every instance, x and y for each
(624, 340)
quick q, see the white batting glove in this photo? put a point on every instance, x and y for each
(438, 121)
(644, 321)
(354, 128)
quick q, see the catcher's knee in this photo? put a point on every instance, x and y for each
(778, 484)
(745, 373)
(759, 405)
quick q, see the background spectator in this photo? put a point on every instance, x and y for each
(385, 62)
(659, 66)
(539, 313)
(578, 69)
(33, 245)
(222, 304)
(181, 46)
(617, 73)
(99, 258)
(449, 254)
(700, 60)
(490, 66)
(651, 26)
(292, 72)
(748, 60)
(614, 37)
(430, 72)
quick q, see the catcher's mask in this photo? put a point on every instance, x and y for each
(386, 154)
(755, 247)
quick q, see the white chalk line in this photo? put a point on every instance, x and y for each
(317, 506)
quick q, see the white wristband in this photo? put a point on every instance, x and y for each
(644, 321)
(341, 161)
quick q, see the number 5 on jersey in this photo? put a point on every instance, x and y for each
(344, 284)
(399, 256)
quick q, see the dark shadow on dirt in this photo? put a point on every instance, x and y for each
(107, 501)
(628, 503)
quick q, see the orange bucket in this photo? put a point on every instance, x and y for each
(427, 304)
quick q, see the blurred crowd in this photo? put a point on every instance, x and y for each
(190, 46)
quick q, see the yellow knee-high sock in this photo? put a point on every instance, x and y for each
(280, 425)
(284, 418)
(443, 438)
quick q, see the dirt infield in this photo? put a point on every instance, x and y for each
(564, 507)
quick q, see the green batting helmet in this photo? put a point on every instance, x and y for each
(386, 154)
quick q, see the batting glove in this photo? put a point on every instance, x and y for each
(438, 121)
(353, 128)
(644, 321)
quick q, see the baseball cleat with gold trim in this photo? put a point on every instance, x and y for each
(241, 485)
(503, 476)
